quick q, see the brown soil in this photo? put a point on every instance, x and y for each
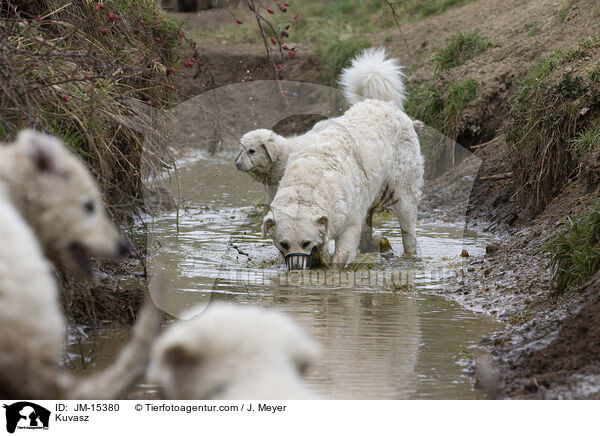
(576, 351)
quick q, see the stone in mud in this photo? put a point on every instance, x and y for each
(464, 253)
(491, 248)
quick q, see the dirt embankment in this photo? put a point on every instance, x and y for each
(549, 346)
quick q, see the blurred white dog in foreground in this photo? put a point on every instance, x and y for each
(330, 185)
(57, 187)
(233, 352)
(54, 192)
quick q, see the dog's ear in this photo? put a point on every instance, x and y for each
(269, 149)
(323, 224)
(267, 225)
(178, 355)
(43, 150)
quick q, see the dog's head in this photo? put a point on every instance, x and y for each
(203, 357)
(258, 151)
(60, 200)
(300, 239)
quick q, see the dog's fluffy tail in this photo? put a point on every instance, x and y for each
(371, 75)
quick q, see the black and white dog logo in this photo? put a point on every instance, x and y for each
(26, 415)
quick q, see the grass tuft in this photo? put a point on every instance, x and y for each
(337, 54)
(459, 48)
(428, 104)
(575, 253)
(586, 140)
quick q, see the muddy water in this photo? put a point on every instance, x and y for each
(380, 338)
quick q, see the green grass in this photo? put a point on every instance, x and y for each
(459, 48)
(459, 95)
(328, 25)
(585, 141)
(428, 103)
(337, 54)
(575, 253)
(441, 108)
(532, 29)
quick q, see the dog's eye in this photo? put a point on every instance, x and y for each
(89, 206)
(305, 244)
(251, 151)
(285, 246)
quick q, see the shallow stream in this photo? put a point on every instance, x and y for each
(380, 338)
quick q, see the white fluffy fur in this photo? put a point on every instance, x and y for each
(31, 324)
(372, 76)
(39, 176)
(233, 352)
(50, 187)
(32, 327)
(329, 186)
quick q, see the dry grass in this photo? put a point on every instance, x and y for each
(81, 70)
(555, 104)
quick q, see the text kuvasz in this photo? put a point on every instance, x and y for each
(330, 185)
(233, 352)
(45, 184)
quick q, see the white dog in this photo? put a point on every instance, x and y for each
(233, 352)
(329, 187)
(56, 195)
(56, 186)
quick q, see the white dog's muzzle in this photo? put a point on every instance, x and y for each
(297, 261)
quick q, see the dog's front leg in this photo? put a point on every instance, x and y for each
(346, 246)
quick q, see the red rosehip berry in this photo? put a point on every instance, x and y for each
(239, 21)
(282, 8)
(270, 11)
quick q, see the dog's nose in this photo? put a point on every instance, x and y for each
(238, 165)
(124, 247)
